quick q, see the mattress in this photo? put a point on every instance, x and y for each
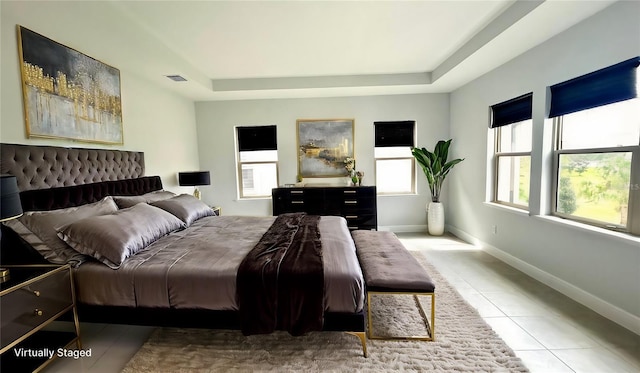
(196, 268)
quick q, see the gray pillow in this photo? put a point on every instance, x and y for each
(39, 229)
(124, 202)
(185, 207)
(113, 238)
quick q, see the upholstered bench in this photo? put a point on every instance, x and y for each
(389, 268)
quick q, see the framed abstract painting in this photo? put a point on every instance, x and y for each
(323, 145)
(67, 94)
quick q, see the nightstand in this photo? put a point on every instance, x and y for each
(217, 210)
(31, 299)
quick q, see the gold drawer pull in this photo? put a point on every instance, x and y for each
(351, 202)
(352, 228)
(351, 217)
(349, 192)
(298, 202)
(36, 293)
(37, 312)
(297, 191)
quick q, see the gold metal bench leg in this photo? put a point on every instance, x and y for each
(369, 323)
(363, 340)
(430, 326)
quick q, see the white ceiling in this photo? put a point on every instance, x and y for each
(274, 49)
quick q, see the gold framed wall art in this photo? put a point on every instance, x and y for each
(67, 94)
(323, 145)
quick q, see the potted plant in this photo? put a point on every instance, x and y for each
(436, 168)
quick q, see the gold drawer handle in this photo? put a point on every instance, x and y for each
(351, 202)
(296, 191)
(349, 192)
(36, 293)
(298, 202)
(351, 216)
(37, 312)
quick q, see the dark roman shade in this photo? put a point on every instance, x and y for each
(400, 133)
(602, 87)
(257, 138)
(511, 111)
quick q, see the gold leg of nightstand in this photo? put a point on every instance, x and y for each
(76, 322)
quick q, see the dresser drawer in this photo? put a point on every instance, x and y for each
(294, 206)
(358, 192)
(362, 221)
(297, 200)
(358, 206)
(30, 306)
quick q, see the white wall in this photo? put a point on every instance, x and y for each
(599, 269)
(216, 121)
(156, 121)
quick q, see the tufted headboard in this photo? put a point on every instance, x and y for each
(43, 167)
(51, 177)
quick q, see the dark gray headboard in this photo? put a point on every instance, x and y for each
(44, 167)
(51, 178)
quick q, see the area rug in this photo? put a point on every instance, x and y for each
(463, 343)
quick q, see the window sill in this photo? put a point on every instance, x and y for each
(397, 194)
(252, 198)
(581, 227)
(623, 237)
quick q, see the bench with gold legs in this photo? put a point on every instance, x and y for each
(389, 269)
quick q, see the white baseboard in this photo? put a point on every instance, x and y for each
(604, 308)
(403, 228)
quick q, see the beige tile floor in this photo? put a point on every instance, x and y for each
(548, 331)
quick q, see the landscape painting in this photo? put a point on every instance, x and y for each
(323, 145)
(68, 94)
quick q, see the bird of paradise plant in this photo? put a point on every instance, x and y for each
(435, 165)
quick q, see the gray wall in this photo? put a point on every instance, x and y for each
(216, 121)
(597, 267)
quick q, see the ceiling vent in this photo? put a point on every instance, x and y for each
(176, 78)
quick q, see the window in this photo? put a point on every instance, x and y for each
(394, 163)
(257, 161)
(597, 148)
(511, 121)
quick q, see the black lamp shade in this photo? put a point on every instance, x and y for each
(10, 205)
(194, 178)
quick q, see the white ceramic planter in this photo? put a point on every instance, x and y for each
(435, 218)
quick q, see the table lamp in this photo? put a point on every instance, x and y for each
(10, 207)
(194, 178)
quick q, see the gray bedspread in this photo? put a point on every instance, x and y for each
(197, 267)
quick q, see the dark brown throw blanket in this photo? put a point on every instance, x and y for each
(280, 283)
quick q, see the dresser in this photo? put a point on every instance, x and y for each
(31, 299)
(356, 204)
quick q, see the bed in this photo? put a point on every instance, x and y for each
(179, 266)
